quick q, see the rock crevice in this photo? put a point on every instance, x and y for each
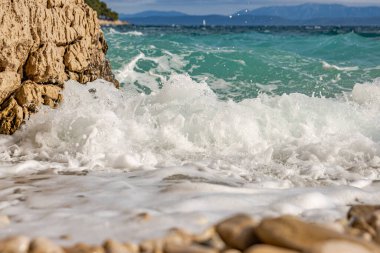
(44, 43)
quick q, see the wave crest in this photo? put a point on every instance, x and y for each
(293, 136)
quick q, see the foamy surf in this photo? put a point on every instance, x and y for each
(196, 135)
(131, 33)
(182, 156)
(290, 136)
(328, 66)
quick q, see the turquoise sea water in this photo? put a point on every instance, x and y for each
(209, 122)
(239, 63)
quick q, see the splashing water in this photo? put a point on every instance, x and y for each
(274, 123)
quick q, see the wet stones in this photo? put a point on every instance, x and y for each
(151, 246)
(191, 249)
(111, 246)
(84, 248)
(291, 233)
(17, 244)
(210, 238)
(268, 249)
(365, 220)
(238, 234)
(340, 246)
(43, 245)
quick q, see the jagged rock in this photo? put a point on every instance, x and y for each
(46, 64)
(32, 95)
(290, 232)
(9, 83)
(47, 42)
(25, 101)
(75, 60)
(18, 244)
(238, 232)
(11, 116)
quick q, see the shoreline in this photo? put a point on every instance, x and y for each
(111, 204)
(359, 232)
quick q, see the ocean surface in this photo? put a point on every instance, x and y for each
(208, 122)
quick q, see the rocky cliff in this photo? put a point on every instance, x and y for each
(43, 43)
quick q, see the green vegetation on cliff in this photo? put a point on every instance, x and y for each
(102, 9)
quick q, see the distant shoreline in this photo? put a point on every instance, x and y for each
(112, 22)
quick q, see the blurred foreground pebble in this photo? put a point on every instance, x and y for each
(359, 233)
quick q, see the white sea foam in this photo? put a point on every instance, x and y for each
(368, 93)
(131, 33)
(109, 205)
(328, 66)
(134, 33)
(267, 88)
(291, 136)
(91, 168)
(183, 156)
(167, 63)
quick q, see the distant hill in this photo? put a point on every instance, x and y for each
(213, 20)
(314, 11)
(305, 14)
(102, 9)
(145, 14)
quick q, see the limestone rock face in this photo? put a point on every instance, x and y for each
(9, 83)
(43, 43)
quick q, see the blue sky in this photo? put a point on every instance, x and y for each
(214, 6)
